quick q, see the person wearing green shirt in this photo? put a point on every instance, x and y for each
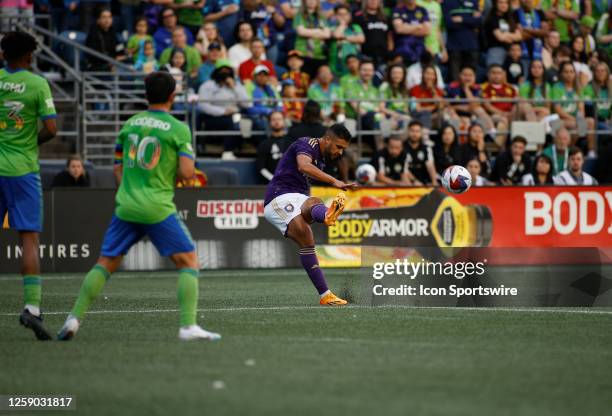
(25, 98)
(434, 42)
(558, 151)
(312, 31)
(136, 42)
(189, 13)
(600, 89)
(366, 102)
(347, 39)
(562, 13)
(603, 32)
(179, 41)
(328, 94)
(352, 65)
(153, 149)
(395, 97)
(534, 91)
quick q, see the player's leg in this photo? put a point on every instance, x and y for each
(119, 237)
(172, 239)
(314, 210)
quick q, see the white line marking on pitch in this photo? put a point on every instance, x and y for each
(285, 308)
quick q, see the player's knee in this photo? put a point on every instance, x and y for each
(111, 264)
(186, 260)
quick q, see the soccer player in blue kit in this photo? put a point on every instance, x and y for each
(291, 209)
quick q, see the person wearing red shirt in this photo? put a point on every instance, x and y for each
(245, 72)
(430, 113)
(497, 91)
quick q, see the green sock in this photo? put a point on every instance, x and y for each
(90, 289)
(32, 290)
(188, 295)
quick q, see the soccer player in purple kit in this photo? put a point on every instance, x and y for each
(289, 207)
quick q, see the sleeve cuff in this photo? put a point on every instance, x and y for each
(47, 117)
(188, 155)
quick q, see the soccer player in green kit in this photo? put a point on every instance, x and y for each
(152, 149)
(25, 98)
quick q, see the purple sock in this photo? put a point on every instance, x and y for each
(311, 265)
(317, 212)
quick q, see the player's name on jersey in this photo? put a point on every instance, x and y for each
(18, 87)
(150, 122)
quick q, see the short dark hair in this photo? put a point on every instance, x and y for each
(470, 67)
(16, 45)
(493, 66)
(351, 56)
(159, 86)
(519, 139)
(575, 150)
(340, 7)
(340, 132)
(365, 60)
(415, 123)
(312, 112)
(74, 157)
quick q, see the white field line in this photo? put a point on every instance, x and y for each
(289, 308)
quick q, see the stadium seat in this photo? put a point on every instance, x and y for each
(102, 177)
(533, 131)
(351, 126)
(218, 176)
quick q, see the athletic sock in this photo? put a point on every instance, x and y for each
(90, 289)
(311, 265)
(32, 290)
(317, 212)
(188, 296)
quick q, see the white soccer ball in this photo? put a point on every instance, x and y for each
(456, 179)
(366, 174)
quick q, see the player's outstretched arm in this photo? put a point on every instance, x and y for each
(306, 167)
(186, 168)
(48, 131)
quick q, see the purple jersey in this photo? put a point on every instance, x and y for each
(287, 178)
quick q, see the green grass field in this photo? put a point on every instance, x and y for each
(281, 354)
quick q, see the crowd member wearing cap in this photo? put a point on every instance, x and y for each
(220, 99)
(300, 79)
(215, 53)
(245, 71)
(586, 25)
(208, 35)
(264, 97)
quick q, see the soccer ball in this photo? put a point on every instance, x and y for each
(456, 179)
(366, 174)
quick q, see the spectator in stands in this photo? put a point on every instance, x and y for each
(414, 75)
(600, 89)
(245, 71)
(500, 31)
(207, 35)
(90, 12)
(566, 93)
(420, 156)
(271, 150)
(513, 65)
(312, 32)
(220, 99)
(189, 13)
(562, 14)
(603, 32)
(466, 92)
(475, 148)
(558, 151)
(391, 164)
(352, 63)
(375, 27)
(541, 172)
(431, 113)
(145, 60)
(475, 168)
(580, 59)
(103, 39)
(346, 39)
(241, 51)
(177, 66)
(129, 12)
(74, 175)
(447, 151)
(300, 79)
(534, 92)
(410, 27)
(511, 165)
(534, 29)
(366, 100)
(552, 41)
(327, 93)
(264, 97)
(395, 97)
(434, 42)
(215, 53)
(164, 34)
(192, 56)
(463, 20)
(292, 107)
(493, 90)
(586, 26)
(65, 15)
(225, 14)
(311, 124)
(266, 21)
(141, 35)
(574, 175)
(560, 55)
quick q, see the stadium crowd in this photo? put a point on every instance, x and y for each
(461, 71)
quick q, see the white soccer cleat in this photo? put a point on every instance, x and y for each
(69, 330)
(195, 332)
